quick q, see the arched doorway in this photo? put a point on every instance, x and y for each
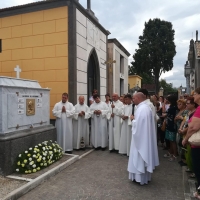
(93, 74)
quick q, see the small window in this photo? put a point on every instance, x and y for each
(121, 64)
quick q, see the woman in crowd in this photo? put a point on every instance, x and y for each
(160, 134)
(171, 128)
(193, 127)
(180, 116)
(191, 107)
(165, 108)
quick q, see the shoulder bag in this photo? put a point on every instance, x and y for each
(195, 139)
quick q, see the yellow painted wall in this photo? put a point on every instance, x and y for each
(134, 80)
(38, 43)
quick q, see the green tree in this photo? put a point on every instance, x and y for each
(156, 50)
(167, 87)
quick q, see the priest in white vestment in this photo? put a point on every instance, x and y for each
(64, 112)
(126, 130)
(81, 124)
(150, 104)
(99, 111)
(114, 122)
(143, 152)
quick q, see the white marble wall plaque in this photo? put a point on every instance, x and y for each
(17, 110)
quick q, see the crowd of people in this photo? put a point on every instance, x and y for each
(134, 126)
(178, 121)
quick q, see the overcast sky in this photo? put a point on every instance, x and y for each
(125, 20)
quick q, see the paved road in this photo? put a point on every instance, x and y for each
(103, 176)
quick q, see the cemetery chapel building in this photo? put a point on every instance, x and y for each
(64, 47)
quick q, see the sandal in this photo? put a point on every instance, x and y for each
(192, 175)
(167, 155)
(173, 158)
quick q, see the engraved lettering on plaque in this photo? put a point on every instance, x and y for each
(30, 107)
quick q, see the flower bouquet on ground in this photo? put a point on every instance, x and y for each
(36, 158)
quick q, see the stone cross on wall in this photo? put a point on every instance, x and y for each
(17, 70)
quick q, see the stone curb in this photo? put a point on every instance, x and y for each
(37, 181)
(188, 185)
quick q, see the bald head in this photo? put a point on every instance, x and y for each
(115, 97)
(81, 100)
(138, 98)
(141, 96)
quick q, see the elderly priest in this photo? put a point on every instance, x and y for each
(143, 152)
(81, 125)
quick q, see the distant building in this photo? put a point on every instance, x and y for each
(192, 68)
(134, 83)
(134, 80)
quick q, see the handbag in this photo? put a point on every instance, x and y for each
(163, 127)
(195, 139)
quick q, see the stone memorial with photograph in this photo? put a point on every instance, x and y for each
(24, 119)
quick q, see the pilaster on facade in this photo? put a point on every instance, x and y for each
(118, 75)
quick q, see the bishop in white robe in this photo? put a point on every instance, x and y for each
(99, 111)
(143, 152)
(81, 124)
(114, 122)
(64, 112)
(126, 130)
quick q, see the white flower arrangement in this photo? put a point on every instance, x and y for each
(38, 157)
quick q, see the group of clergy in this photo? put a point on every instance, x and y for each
(112, 125)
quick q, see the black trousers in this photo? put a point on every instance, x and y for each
(195, 152)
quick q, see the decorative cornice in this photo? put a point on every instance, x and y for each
(118, 44)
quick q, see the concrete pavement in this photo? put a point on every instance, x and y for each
(103, 175)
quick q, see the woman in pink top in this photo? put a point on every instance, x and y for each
(193, 127)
